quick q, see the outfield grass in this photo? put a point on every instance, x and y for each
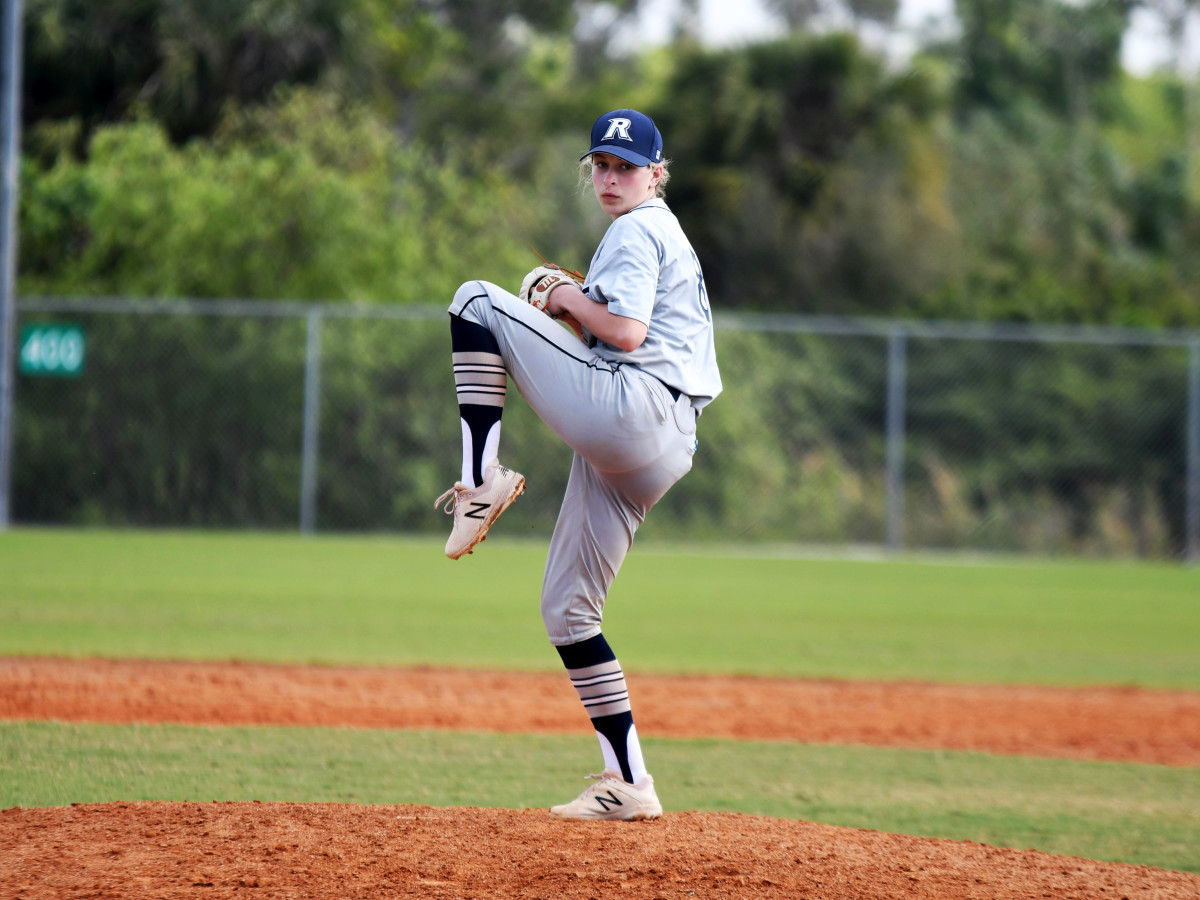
(1117, 812)
(394, 601)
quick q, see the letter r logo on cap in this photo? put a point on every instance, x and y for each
(618, 128)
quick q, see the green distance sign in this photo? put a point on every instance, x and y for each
(52, 349)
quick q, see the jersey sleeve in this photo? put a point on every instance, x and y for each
(625, 271)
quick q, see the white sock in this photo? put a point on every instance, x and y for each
(491, 447)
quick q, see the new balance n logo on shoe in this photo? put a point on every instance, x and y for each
(477, 511)
(608, 803)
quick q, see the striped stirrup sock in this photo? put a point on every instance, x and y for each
(597, 678)
(601, 689)
(482, 383)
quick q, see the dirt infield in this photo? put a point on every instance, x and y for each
(168, 850)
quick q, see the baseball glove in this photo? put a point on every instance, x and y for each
(535, 289)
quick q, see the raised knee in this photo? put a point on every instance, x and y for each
(463, 295)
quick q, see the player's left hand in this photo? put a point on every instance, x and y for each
(536, 288)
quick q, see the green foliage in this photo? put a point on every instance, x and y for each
(177, 420)
(1058, 55)
(1061, 445)
(305, 200)
(1062, 229)
(818, 477)
(810, 173)
(386, 152)
(96, 63)
(1013, 172)
(1010, 446)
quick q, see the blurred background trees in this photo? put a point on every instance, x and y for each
(382, 150)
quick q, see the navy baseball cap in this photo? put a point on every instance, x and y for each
(628, 134)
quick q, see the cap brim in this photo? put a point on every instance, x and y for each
(628, 155)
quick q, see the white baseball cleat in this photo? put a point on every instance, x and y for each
(475, 509)
(613, 799)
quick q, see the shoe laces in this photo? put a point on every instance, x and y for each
(450, 498)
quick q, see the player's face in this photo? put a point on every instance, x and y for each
(620, 185)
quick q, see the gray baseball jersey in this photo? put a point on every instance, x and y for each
(629, 417)
(645, 269)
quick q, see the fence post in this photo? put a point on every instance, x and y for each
(1192, 528)
(10, 153)
(312, 424)
(896, 389)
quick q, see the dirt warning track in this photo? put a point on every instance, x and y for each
(1112, 724)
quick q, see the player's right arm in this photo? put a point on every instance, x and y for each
(617, 331)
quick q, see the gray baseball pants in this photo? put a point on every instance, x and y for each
(632, 441)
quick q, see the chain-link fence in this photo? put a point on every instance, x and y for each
(328, 417)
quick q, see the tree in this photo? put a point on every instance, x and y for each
(1176, 15)
(88, 64)
(311, 199)
(445, 69)
(812, 180)
(1061, 55)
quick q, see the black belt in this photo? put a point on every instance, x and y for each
(674, 392)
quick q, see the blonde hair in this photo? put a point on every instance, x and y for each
(585, 176)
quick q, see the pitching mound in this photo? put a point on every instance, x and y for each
(189, 850)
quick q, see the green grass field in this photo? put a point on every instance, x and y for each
(393, 601)
(377, 600)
